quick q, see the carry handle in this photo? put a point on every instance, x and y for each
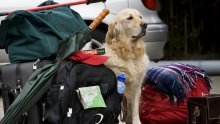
(99, 19)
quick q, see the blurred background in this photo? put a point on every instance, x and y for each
(193, 29)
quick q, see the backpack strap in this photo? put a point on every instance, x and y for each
(18, 80)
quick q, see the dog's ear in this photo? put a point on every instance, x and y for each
(112, 34)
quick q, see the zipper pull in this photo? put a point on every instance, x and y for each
(35, 64)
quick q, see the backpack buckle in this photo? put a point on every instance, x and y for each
(17, 90)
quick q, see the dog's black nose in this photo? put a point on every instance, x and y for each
(144, 25)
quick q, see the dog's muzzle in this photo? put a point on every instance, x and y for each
(143, 31)
(143, 28)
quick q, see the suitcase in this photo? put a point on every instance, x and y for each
(204, 109)
(14, 77)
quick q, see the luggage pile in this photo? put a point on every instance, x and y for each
(43, 83)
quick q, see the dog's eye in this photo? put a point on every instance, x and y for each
(140, 17)
(130, 18)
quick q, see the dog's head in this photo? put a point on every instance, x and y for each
(128, 25)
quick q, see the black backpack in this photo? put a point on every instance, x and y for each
(62, 95)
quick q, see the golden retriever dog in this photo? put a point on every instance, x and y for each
(126, 51)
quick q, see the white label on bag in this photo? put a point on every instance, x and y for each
(69, 113)
(61, 87)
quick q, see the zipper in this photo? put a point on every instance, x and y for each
(43, 111)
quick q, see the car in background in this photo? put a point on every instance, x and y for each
(156, 32)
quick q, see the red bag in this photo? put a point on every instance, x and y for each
(155, 106)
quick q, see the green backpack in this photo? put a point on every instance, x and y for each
(28, 36)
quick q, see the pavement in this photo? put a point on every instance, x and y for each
(215, 90)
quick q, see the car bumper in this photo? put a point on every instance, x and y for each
(155, 40)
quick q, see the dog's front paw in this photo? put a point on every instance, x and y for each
(136, 121)
(120, 122)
